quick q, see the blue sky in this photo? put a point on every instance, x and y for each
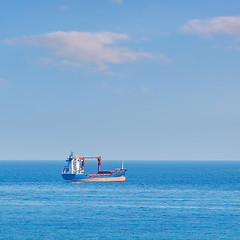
(131, 80)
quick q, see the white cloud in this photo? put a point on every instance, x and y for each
(75, 48)
(228, 25)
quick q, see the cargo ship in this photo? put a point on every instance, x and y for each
(74, 171)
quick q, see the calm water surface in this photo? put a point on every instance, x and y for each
(159, 200)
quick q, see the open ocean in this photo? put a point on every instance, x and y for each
(159, 200)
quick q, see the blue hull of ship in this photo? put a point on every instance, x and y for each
(84, 178)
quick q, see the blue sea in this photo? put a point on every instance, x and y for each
(159, 200)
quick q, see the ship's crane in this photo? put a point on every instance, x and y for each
(73, 163)
(83, 162)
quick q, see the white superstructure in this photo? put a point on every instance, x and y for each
(74, 165)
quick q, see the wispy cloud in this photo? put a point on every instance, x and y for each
(64, 7)
(118, 1)
(3, 82)
(45, 60)
(76, 48)
(145, 90)
(225, 25)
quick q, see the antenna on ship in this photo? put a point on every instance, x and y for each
(122, 164)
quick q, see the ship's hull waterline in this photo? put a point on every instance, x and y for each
(115, 177)
(109, 179)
